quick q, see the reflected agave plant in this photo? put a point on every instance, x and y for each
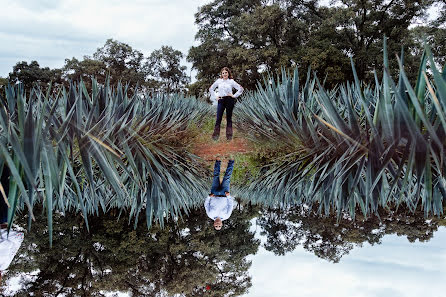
(357, 146)
(95, 150)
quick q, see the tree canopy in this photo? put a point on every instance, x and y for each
(260, 36)
(31, 73)
(182, 258)
(165, 71)
(254, 37)
(160, 71)
(331, 238)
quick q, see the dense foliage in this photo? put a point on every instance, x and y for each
(255, 37)
(356, 146)
(252, 37)
(184, 258)
(181, 259)
(91, 150)
(368, 144)
(116, 61)
(331, 238)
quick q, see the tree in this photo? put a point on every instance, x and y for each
(160, 71)
(123, 62)
(3, 84)
(254, 37)
(441, 8)
(434, 33)
(361, 26)
(86, 70)
(216, 38)
(28, 74)
(116, 60)
(164, 69)
(181, 258)
(331, 238)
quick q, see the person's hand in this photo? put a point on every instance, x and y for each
(212, 195)
(227, 194)
(219, 98)
(232, 95)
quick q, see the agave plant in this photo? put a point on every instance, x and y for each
(355, 146)
(96, 150)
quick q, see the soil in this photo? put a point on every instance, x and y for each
(209, 150)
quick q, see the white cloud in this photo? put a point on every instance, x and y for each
(50, 31)
(394, 268)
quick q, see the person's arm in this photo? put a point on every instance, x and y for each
(238, 87)
(228, 208)
(212, 91)
(207, 204)
(230, 203)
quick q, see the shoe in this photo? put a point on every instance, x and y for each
(216, 133)
(229, 133)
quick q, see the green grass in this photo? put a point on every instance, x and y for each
(246, 169)
(202, 128)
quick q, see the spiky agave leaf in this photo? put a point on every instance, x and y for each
(99, 150)
(342, 157)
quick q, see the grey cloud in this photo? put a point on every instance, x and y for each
(48, 52)
(40, 30)
(47, 31)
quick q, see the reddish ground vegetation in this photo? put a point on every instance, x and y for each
(208, 149)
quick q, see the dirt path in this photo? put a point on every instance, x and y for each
(208, 149)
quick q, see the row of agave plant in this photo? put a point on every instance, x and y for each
(93, 150)
(353, 147)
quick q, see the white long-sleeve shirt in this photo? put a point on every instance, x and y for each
(224, 88)
(9, 247)
(219, 207)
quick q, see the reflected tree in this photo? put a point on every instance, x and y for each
(331, 238)
(187, 257)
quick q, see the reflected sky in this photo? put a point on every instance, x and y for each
(396, 267)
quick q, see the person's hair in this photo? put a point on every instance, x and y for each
(213, 225)
(228, 70)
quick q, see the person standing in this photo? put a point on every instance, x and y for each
(219, 203)
(226, 100)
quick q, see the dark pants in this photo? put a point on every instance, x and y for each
(227, 103)
(217, 187)
(3, 206)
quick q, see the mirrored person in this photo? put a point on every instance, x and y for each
(219, 203)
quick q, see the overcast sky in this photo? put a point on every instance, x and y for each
(394, 268)
(49, 31)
